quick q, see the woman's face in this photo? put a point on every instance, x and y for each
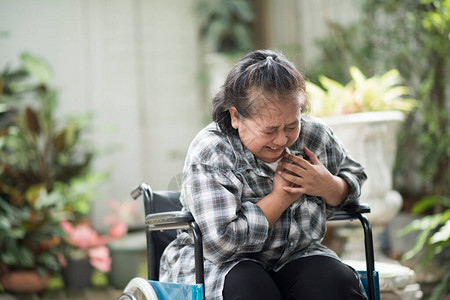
(273, 127)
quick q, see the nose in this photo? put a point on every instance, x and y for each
(281, 139)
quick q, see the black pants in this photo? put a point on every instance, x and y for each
(314, 277)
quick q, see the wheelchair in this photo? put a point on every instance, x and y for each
(163, 217)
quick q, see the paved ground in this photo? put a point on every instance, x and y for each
(104, 293)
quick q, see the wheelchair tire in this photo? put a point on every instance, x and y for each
(138, 289)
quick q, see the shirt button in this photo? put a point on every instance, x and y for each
(291, 244)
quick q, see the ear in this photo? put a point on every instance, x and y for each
(234, 117)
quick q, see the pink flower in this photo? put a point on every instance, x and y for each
(100, 259)
(121, 214)
(84, 237)
(118, 230)
(66, 226)
(89, 244)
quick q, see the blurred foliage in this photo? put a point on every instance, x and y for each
(45, 168)
(225, 24)
(361, 94)
(433, 236)
(412, 36)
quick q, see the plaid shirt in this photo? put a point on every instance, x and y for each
(222, 182)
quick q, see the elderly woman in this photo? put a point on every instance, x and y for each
(261, 181)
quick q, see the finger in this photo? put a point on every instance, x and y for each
(294, 168)
(291, 178)
(294, 190)
(299, 160)
(312, 157)
(281, 168)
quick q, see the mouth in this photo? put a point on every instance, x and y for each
(274, 149)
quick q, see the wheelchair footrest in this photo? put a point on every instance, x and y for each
(168, 291)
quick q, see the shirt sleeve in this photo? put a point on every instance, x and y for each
(341, 164)
(228, 223)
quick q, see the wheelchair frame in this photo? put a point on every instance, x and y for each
(170, 219)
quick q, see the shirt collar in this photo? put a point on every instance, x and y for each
(248, 160)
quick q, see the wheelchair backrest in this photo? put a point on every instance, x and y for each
(163, 201)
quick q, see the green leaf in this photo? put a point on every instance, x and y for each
(330, 84)
(441, 288)
(357, 75)
(390, 78)
(422, 224)
(442, 235)
(37, 68)
(419, 245)
(424, 204)
(216, 31)
(32, 121)
(4, 108)
(25, 257)
(242, 36)
(49, 261)
(8, 258)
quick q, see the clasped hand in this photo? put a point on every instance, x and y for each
(300, 176)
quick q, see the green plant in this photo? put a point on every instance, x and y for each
(45, 169)
(225, 24)
(412, 36)
(361, 94)
(433, 237)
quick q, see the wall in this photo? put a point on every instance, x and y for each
(137, 65)
(134, 64)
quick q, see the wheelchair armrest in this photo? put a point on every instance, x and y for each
(176, 220)
(350, 212)
(168, 220)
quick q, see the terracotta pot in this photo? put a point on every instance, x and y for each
(28, 281)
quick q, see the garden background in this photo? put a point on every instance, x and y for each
(145, 71)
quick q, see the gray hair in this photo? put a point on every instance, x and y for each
(266, 71)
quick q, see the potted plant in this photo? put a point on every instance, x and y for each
(365, 114)
(361, 94)
(126, 248)
(84, 250)
(45, 173)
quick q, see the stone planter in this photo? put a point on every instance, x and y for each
(371, 139)
(24, 281)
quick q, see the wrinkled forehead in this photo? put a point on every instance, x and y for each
(264, 104)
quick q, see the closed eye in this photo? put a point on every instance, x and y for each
(270, 132)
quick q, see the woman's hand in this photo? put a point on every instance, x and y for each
(275, 203)
(312, 178)
(279, 184)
